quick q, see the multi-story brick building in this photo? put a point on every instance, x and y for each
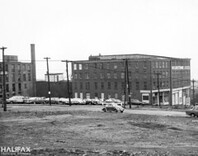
(150, 78)
(20, 77)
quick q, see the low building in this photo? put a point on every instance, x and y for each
(148, 78)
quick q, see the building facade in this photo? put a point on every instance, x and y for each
(153, 79)
(20, 77)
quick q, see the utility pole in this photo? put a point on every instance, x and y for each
(151, 85)
(4, 81)
(49, 91)
(193, 81)
(128, 83)
(68, 86)
(158, 87)
(171, 85)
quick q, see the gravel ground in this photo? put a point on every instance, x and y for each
(86, 130)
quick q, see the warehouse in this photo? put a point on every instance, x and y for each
(149, 78)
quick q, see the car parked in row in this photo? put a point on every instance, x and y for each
(16, 99)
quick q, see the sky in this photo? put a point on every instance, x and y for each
(76, 29)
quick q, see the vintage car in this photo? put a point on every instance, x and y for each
(113, 107)
(193, 111)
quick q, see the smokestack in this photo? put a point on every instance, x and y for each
(33, 62)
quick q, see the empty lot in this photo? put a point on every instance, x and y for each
(78, 129)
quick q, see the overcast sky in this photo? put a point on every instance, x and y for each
(76, 29)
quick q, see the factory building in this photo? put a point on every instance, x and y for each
(149, 78)
(20, 77)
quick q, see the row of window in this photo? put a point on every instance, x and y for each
(24, 78)
(145, 64)
(13, 88)
(108, 75)
(121, 85)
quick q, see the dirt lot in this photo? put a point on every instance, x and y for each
(63, 130)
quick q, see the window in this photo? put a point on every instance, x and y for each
(145, 85)
(13, 87)
(137, 85)
(101, 76)
(123, 85)
(136, 64)
(75, 86)
(25, 86)
(102, 85)
(109, 85)
(24, 77)
(29, 77)
(86, 75)
(108, 75)
(81, 85)
(86, 66)
(156, 64)
(87, 85)
(95, 75)
(145, 64)
(122, 75)
(115, 85)
(115, 76)
(108, 65)
(80, 66)
(115, 66)
(75, 66)
(7, 87)
(13, 68)
(96, 85)
(80, 75)
(75, 76)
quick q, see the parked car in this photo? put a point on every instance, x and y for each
(16, 99)
(193, 111)
(112, 107)
(112, 100)
(35, 100)
(136, 102)
(93, 101)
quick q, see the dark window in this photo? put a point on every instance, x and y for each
(29, 77)
(87, 85)
(96, 85)
(102, 85)
(115, 85)
(24, 77)
(109, 85)
(137, 85)
(145, 85)
(7, 87)
(81, 85)
(13, 87)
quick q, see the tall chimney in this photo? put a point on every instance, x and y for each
(33, 62)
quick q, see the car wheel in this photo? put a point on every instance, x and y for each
(193, 115)
(104, 110)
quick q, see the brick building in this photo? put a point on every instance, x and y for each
(150, 78)
(20, 77)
